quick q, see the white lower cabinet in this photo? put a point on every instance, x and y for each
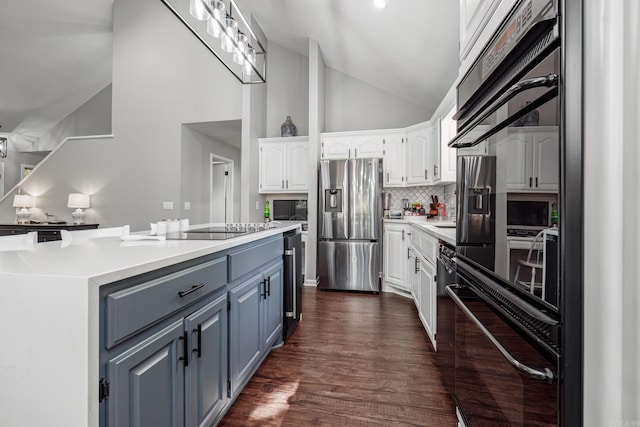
(427, 273)
(395, 248)
(420, 268)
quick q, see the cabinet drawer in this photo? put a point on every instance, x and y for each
(246, 260)
(427, 245)
(131, 310)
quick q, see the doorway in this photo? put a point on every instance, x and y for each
(221, 189)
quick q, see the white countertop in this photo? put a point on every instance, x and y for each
(437, 227)
(107, 259)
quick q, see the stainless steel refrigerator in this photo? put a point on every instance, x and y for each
(476, 231)
(350, 224)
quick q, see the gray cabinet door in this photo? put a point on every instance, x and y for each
(272, 307)
(244, 329)
(206, 377)
(147, 382)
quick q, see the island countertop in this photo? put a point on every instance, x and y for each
(107, 259)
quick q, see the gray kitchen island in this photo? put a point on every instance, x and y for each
(105, 332)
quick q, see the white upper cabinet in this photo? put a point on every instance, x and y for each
(335, 147)
(529, 157)
(351, 145)
(283, 165)
(420, 163)
(368, 146)
(394, 159)
(448, 157)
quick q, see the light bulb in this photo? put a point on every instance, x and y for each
(251, 60)
(215, 22)
(231, 32)
(238, 53)
(198, 10)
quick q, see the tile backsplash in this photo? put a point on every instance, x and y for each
(446, 194)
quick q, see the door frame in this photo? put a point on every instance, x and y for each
(215, 159)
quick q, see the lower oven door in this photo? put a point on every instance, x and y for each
(501, 378)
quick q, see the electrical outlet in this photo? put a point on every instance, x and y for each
(167, 206)
(257, 204)
(187, 206)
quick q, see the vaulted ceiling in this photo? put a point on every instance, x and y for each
(56, 54)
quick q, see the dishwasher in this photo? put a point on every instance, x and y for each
(445, 315)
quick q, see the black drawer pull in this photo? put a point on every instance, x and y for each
(269, 286)
(193, 289)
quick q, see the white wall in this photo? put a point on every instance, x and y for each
(254, 100)
(287, 90)
(162, 77)
(611, 205)
(91, 118)
(354, 105)
(195, 169)
(317, 118)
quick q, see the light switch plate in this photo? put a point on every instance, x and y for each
(257, 204)
(167, 206)
(187, 206)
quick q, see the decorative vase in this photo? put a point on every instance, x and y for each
(288, 128)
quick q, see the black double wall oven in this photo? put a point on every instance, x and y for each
(508, 292)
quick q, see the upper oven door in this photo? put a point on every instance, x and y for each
(521, 130)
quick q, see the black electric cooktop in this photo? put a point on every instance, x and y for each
(217, 232)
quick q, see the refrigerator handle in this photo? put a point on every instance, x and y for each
(295, 285)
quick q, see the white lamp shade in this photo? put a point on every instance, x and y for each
(24, 201)
(78, 200)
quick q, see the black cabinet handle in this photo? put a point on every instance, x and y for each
(193, 289)
(417, 266)
(269, 286)
(536, 182)
(530, 182)
(263, 294)
(199, 349)
(185, 348)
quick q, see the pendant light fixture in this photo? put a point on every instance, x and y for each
(241, 47)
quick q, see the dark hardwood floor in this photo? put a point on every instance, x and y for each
(354, 360)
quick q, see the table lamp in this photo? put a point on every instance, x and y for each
(79, 201)
(23, 201)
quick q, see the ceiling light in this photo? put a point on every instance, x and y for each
(241, 48)
(380, 4)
